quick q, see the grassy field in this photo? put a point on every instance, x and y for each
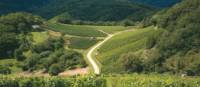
(39, 37)
(76, 30)
(81, 42)
(110, 52)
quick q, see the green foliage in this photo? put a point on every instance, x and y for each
(39, 37)
(51, 57)
(54, 69)
(11, 27)
(19, 55)
(178, 45)
(131, 63)
(96, 10)
(8, 43)
(4, 70)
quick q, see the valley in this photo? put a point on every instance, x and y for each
(100, 43)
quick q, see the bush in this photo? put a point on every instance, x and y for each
(131, 62)
(19, 55)
(55, 69)
(4, 70)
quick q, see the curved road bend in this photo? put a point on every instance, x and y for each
(89, 54)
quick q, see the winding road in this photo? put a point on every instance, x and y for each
(90, 52)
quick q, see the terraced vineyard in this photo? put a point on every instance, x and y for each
(76, 30)
(131, 41)
(84, 36)
(81, 42)
(132, 80)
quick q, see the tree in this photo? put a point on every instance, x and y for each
(8, 43)
(131, 62)
(30, 63)
(54, 69)
(19, 55)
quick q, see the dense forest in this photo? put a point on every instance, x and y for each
(86, 10)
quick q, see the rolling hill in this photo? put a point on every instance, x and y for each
(87, 10)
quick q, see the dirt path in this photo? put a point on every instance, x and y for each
(90, 52)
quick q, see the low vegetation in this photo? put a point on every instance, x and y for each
(39, 37)
(102, 81)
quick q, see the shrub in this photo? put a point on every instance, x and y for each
(5, 70)
(54, 69)
(131, 62)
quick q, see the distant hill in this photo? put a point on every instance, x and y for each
(158, 3)
(88, 10)
(8, 6)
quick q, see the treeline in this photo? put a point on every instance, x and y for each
(68, 20)
(176, 50)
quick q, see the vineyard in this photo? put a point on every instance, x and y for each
(102, 81)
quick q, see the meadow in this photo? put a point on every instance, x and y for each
(39, 37)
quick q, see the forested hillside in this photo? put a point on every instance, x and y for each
(158, 3)
(179, 45)
(9, 6)
(87, 10)
(97, 10)
(177, 49)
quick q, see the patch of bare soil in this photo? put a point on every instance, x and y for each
(79, 71)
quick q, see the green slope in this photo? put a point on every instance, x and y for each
(110, 52)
